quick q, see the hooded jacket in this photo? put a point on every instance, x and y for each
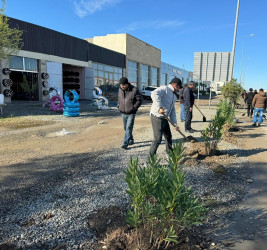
(129, 100)
(260, 100)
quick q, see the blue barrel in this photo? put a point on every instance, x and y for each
(71, 108)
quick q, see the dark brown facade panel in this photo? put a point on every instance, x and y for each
(46, 41)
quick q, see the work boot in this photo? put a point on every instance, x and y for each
(259, 125)
(124, 146)
(254, 124)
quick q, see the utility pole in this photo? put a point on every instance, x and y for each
(234, 40)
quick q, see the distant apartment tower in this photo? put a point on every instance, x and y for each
(212, 66)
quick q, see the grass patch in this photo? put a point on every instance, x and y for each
(22, 122)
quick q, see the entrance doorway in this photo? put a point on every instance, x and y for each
(25, 85)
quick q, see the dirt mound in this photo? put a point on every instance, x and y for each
(114, 233)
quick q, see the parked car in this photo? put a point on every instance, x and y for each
(146, 92)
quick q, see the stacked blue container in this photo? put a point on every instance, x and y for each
(71, 108)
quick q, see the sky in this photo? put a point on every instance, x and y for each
(177, 27)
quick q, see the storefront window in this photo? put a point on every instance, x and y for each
(108, 68)
(164, 79)
(154, 78)
(132, 72)
(144, 75)
(107, 77)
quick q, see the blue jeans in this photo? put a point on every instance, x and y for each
(256, 112)
(128, 123)
(182, 112)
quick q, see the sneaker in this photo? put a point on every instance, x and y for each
(131, 142)
(259, 125)
(254, 124)
(124, 146)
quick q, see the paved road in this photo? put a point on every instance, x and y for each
(253, 224)
(246, 229)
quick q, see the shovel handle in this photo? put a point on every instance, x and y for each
(199, 109)
(167, 118)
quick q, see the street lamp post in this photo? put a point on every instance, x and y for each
(243, 57)
(234, 40)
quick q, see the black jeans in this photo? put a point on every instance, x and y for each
(160, 127)
(250, 110)
(188, 117)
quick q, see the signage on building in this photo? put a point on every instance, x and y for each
(177, 71)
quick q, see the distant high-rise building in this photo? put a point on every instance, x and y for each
(212, 66)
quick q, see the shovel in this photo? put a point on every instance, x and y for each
(204, 117)
(167, 118)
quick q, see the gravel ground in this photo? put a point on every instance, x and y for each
(45, 202)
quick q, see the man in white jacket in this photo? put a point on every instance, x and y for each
(164, 99)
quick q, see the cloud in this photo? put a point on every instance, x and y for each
(155, 24)
(85, 7)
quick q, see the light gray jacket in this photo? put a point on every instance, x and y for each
(164, 97)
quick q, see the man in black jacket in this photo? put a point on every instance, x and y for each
(129, 100)
(189, 100)
(249, 99)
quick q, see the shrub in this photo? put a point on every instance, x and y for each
(227, 111)
(223, 119)
(160, 201)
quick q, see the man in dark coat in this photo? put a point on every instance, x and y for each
(249, 99)
(189, 100)
(129, 100)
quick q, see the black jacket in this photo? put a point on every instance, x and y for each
(181, 96)
(189, 97)
(250, 97)
(129, 101)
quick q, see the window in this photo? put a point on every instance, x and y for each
(164, 79)
(16, 62)
(154, 78)
(108, 68)
(144, 75)
(132, 72)
(23, 63)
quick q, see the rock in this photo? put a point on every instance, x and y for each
(186, 240)
(47, 216)
(249, 181)
(101, 122)
(218, 169)
(228, 243)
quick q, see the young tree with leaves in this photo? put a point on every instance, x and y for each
(10, 39)
(232, 91)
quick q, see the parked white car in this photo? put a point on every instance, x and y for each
(146, 92)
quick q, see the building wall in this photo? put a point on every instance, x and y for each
(4, 64)
(139, 51)
(135, 50)
(116, 42)
(212, 66)
(169, 71)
